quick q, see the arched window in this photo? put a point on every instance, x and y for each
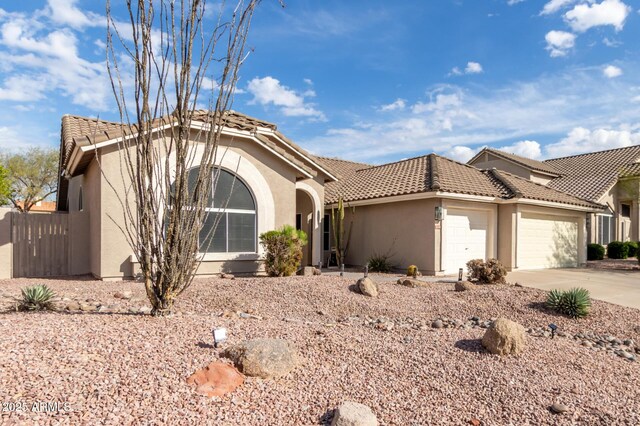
(230, 222)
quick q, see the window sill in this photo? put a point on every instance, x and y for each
(212, 257)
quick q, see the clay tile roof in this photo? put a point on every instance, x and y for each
(433, 173)
(421, 174)
(523, 161)
(590, 175)
(527, 189)
(630, 170)
(343, 170)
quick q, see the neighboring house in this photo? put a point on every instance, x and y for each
(277, 182)
(437, 214)
(610, 178)
(41, 206)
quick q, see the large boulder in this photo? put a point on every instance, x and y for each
(367, 287)
(354, 414)
(504, 337)
(264, 358)
(216, 379)
(464, 286)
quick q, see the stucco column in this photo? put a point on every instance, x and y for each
(635, 220)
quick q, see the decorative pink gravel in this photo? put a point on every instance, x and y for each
(131, 369)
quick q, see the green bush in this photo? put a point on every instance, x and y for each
(595, 252)
(380, 263)
(489, 272)
(283, 250)
(574, 303)
(617, 250)
(36, 298)
(632, 248)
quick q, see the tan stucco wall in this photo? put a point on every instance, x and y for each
(114, 250)
(6, 248)
(406, 230)
(488, 161)
(507, 231)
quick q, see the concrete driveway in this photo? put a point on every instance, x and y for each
(619, 287)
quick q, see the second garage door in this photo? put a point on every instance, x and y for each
(547, 242)
(466, 233)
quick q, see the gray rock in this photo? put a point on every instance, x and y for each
(437, 324)
(264, 358)
(367, 287)
(354, 414)
(559, 408)
(145, 310)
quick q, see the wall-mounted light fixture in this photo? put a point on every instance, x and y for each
(439, 213)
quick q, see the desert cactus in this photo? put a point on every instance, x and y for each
(337, 223)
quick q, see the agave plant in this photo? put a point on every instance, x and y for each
(554, 299)
(574, 303)
(36, 298)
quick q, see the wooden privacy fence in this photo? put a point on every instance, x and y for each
(40, 244)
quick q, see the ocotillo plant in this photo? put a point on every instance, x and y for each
(337, 223)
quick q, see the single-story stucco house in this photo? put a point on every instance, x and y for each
(610, 178)
(278, 181)
(429, 211)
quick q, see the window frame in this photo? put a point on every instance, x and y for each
(225, 255)
(600, 228)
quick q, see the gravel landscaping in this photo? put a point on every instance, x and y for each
(387, 352)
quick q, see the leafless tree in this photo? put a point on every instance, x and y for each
(179, 61)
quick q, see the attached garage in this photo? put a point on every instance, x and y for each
(546, 241)
(466, 237)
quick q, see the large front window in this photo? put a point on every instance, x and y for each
(230, 222)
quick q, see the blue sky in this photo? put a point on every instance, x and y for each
(369, 80)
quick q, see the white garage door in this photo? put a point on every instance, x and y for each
(547, 242)
(466, 234)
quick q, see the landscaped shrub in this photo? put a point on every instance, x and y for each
(36, 298)
(489, 272)
(632, 248)
(617, 250)
(283, 250)
(595, 252)
(412, 270)
(380, 263)
(574, 303)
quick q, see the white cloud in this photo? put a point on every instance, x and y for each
(527, 148)
(450, 116)
(512, 2)
(473, 68)
(65, 12)
(611, 71)
(461, 153)
(398, 104)
(268, 90)
(588, 15)
(555, 5)
(51, 60)
(611, 42)
(581, 140)
(559, 43)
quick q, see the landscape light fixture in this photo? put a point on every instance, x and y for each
(460, 274)
(553, 328)
(366, 271)
(219, 336)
